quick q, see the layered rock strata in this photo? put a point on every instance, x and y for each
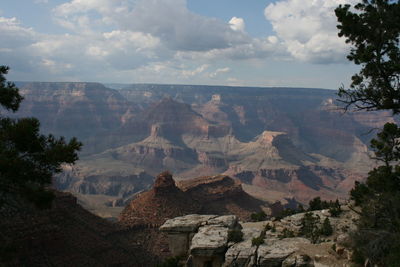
(203, 240)
(207, 195)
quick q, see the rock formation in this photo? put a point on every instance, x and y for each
(164, 200)
(203, 240)
(280, 142)
(208, 195)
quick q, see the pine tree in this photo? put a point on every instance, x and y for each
(326, 228)
(374, 31)
(28, 159)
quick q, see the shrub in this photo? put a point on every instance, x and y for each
(286, 233)
(256, 241)
(309, 227)
(235, 235)
(326, 228)
(335, 209)
(259, 216)
(318, 204)
(286, 212)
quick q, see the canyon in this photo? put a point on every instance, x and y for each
(280, 144)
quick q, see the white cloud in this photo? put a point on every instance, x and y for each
(156, 30)
(273, 39)
(237, 24)
(163, 41)
(257, 48)
(168, 20)
(198, 70)
(75, 55)
(81, 6)
(219, 71)
(308, 29)
(14, 35)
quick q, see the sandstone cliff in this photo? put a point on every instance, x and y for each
(209, 195)
(280, 142)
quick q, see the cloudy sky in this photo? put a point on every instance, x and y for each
(217, 42)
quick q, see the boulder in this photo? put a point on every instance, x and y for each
(274, 251)
(229, 221)
(301, 260)
(241, 254)
(188, 223)
(180, 231)
(211, 240)
(244, 253)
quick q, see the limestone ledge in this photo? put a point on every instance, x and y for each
(202, 240)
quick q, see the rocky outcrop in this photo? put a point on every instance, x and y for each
(153, 207)
(275, 251)
(202, 239)
(205, 239)
(281, 136)
(206, 195)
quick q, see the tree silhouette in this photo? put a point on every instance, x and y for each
(373, 28)
(28, 159)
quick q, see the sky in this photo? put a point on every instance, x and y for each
(283, 43)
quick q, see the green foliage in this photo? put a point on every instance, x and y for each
(309, 227)
(326, 228)
(235, 235)
(257, 241)
(334, 208)
(386, 145)
(377, 237)
(258, 217)
(359, 192)
(318, 204)
(9, 96)
(288, 211)
(170, 262)
(268, 227)
(28, 159)
(286, 233)
(373, 29)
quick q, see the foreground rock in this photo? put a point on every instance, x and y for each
(201, 238)
(274, 251)
(206, 240)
